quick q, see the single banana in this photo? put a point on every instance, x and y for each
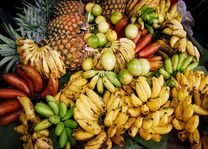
(129, 123)
(100, 85)
(205, 102)
(197, 97)
(164, 95)
(114, 80)
(83, 108)
(83, 115)
(106, 97)
(108, 85)
(93, 81)
(191, 79)
(167, 31)
(113, 98)
(156, 87)
(168, 65)
(194, 137)
(133, 131)
(173, 10)
(156, 118)
(161, 80)
(118, 140)
(184, 82)
(82, 135)
(203, 83)
(108, 143)
(168, 111)
(190, 48)
(145, 109)
(110, 117)
(174, 58)
(163, 120)
(121, 119)
(46, 69)
(147, 124)
(177, 124)
(154, 104)
(142, 80)
(156, 137)
(175, 24)
(163, 129)
(128, 101)
(188, 112)
(192, 123)
(180, 34)
(134, 112)
(111, 131)
(199, 110)
(75, 75)
(89, 74)
(144, 134)
(135, 100)
(141, 92)
(114, 105)
(181, 44)
(179, 112)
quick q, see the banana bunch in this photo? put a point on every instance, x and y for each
(28, 121)
(56, 113)
(101, 79)
(149, 109)
(44, 59)
(189, 107)
(134, 6)
(178, 39)
(75, 86)
(177, 63)
(123, 49)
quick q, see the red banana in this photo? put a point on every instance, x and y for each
(154, 58)
(16, 82)
(49, 90)
(149, 50)
(27, 80)
(143, 42)
(120, 26)
(11, 93)
(10, 106)
(135, 40)
(155, 64)
(55, 84)
(33, 75)
(10, 118)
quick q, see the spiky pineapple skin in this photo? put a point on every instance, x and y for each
(91, 1)
(111, 6)
(71, 48)
(67, 7)
(68, 24)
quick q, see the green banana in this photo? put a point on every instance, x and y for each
(68, 145)
(100, 87)
(69, 113)
(54, 107)
(94, 81)
(63, 139)
(42, 105)
(174, 61)
(192, 66)
(141, 22)
(112, 73)
(165, 74)
(89, 74)
(62, 109)
(43, 110)
(50, 98)
(149, 28)
(69, 134)
(168, 66)
(42, 125)
(113, 80)
(108, 85)
(54, 119)
(181, 58)
(68, 131)
(185, 63)
(59, 128)
(70, 123)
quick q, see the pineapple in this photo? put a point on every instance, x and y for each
(91, 1)
(71, 24)
(71, 48)
(110, 6)
(68, 7)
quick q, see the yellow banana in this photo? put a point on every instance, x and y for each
(46, 69)
(89, 126)
(191, 79)
(174, 103)
(164, 95)
(175, 24)
(161, 80)
(168, 111)
(198, 78)
(144, 109)
(108, 143)
(144, 134)
(179, 112)
(156, 118)
(81, 115)
(147, 124)
(173, 10)
(177, 124)
(190, 48)
(188, 112)
(121, 119)
(138, 122)
(156, 87)
(111, 131)
(76, 75)
(82, 135)
(180, 33)
(128, 102)
(141, 92)
(97, 141)
(174, 92)
(95, 98)
(197, 97)
(184, 82)
(135, 100)
(111, 116)
(167, 104)
(192, 123)
(118, 140)
(109, 85)
(174, 40)
(183, 135)
(114, 105)
(156, 137)
(111, 100)
(154, 104)
(133, 131)
(126, 55)
(197, 54)
(167, 31)
(205, 102)
(163, 129)
(129, 123)
(142, 80)
(199, 110)
(134, 112)
(93, 81)
(163, 120)
(194, 137)
(203, 84)
(106, 97)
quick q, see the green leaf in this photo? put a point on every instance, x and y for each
(7, 40)
(151, 144)
(129, 144)
(5, 60)
(11, 63)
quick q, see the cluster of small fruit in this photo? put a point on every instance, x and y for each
(28, 120)
(44, 59)
(27, 83)
(178, 62)
(190, 100)
(57, 114)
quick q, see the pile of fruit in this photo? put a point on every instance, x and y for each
(132, 75)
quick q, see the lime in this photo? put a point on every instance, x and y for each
(93, 41)
(100, 19)
(96, 10)
(102, 39)
(116, 17)
(125, 77)
(90, 17)
(134, 67)
(87, 35)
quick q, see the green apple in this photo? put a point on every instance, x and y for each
(102, 39)
(100, 19)
(96, 10)
(116, 17)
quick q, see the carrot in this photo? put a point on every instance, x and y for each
(143, 42)
(10, 106)
(144, 32)
(120, 26)
(10, 118)
(10, 93)
(135, 40)
(149, 50)
(16, 82)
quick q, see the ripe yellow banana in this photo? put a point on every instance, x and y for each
(108, 85)
(180, 33)
(111, 116)
(179, 112)
(126, 55)
(82, 135)
(188, 112)
(46, 69)
(83, 115)
(111, 131)
(118, 140)
(121, 119)
(133, 131)
(198, 78)
(147, 124)
(190, 48)
(138, 122)
(167, 31)
(194, 137)
(199, 110)
(135, 100)
(156, 137)
(205, 102)
(167, 104)
(203, 83)
(97, 141)
(75, 75)
(168, 111)
(129, 123)
(144, 134)
(175, 24)
(134, 112)
(163, 120)
(177, 124)
(141, 92)
(191, 79)
(144, 109)
(173, 10)
(174, 40)
(163, 129)
(164, 95)
(128, 102)
(142, 81)
(192, 123)
(154, 104)
(106, 97)
(111, 100)
(108, 143)
(114, 105)
(155, 116)
(156, 87)
(197, 97)
(93, 81)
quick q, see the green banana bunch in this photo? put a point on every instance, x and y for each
(57, 114)
(101, 80)
(177, 63)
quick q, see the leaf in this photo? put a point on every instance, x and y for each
(7, 40)
(11, 63)
(151, 144)
(5, 60)
(129, 144)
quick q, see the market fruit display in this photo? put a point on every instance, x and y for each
(95, 74)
